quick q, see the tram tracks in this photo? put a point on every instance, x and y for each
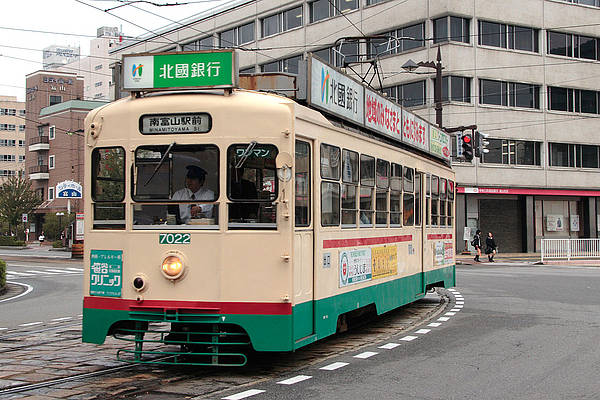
(127, 380)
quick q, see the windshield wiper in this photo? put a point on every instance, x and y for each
(245, 154)
(160, 163)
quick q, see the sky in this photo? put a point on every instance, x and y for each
(30, 25)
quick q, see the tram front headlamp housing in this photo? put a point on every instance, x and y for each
(172, 267)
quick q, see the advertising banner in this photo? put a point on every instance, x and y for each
(106, 273)
(415, 131)
(336, 93)
(383, 116)
(355, 266)
(439, 143)
(384, 261)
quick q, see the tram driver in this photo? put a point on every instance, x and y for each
(194, 190)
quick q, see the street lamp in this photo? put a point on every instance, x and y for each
(411, 66)
(59, 215)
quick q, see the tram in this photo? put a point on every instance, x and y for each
(223, 221)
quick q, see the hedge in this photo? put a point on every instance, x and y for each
(10, 241)
(57, 244)
(2, 273)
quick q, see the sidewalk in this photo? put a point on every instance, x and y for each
(34, 249)
(520, 258)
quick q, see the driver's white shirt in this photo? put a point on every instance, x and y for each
(203, 194)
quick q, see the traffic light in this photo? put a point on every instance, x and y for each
(467, 146)
(481, 144)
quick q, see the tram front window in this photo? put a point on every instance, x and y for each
(252, 186)
(176, 185)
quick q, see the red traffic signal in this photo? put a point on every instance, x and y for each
(467, 147)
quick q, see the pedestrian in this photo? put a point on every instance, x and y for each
(476, 242)
(41, 238)
(490, 247)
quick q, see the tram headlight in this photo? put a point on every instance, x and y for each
(172, 267)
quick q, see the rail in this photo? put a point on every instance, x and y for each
(570, 249)
(39, 139)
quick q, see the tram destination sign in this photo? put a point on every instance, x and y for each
(184, 70)
(164, 124)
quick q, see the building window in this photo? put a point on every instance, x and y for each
(7, 157)
(7, 172)
(568, 45)
(206, 43)
(509, 94)
(21, 128)
(98, 84)
(508, 36)
(51, 132)
(289, 65)
(50, 162)
(237, 36)
(55, 100)
(97, 67)
(322, 9)
(370, 2)
(449, 28)
(573, 100)
(21, 143)
(594, 3)
(22, 113)
(513, 152)
(282, 22)
(50, 193)
(393, 45)
(7, 143)
(21, 158)
(409, 94)
(573, 155)
(456, 88)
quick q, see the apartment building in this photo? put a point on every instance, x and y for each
(12, 137)
(527, 73)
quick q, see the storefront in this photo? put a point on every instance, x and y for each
(519, 218)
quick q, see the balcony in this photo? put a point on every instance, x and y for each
(39, 143)
(39, 172)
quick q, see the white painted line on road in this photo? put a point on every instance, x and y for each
(455, 310)
(62, 271)
(29, 289)
(409, 338)
(452, 290)
(423, 331)
(80, 315)
(61, 319)
(3, 329)
(19, 273)
(243, 395)
(32, 324)
(295, 379)
(75, 269)
(443, 319)
(451, 314)
(366, 354)
(43, 272)
(459, 306)
(334, 366)
(460, 303)
(434, 324)
(459, 297)
(389, 346)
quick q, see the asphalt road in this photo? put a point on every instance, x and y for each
(525, 332)
(53, 292)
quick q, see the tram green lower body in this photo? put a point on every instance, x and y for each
(276, 332)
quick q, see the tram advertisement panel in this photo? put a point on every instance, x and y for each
(439, 143)
(355, 266)
(384, 261)
(415, 131)
(383, 115)
(106, 272)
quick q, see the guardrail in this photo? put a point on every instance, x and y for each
(570, 248)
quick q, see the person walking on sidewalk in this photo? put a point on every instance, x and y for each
(491, 246)
(476, 242)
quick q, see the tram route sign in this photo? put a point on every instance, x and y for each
(184, 70)
(106, 273)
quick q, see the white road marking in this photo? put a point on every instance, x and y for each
(366, 354)
(61, 271)
(409, 338)
(295, 379)
(29, 289)
(75, 269)
(61, 319)
(459, 306)
(434, 324)
(243, 395)
(460, 303)
(43, 272)
(455, 310)
(32, 323)
(3, 329)
(423, 331)
(389, 346)
(334, 366)
(452, 290)
(450, 314)
(443, 319)
(459, 297)
(19, 273)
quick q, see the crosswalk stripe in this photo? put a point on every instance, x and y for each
(76, 269)
(19, 273)
(62, 271)
(43, 272)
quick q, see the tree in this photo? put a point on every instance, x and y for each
(17, 198)
(54, 225)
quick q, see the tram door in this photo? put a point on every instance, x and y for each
(420, 225)
(303, 241)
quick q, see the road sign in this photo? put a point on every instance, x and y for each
(24, 217)
(69, 190)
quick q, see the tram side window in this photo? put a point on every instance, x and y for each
(330, 191)
(381, 194)
(108, 187)
(428, 200)
(443, 203)
(435, 201)
(418, 178)
(450, 203)
(176, 186)
(409, 197)
(302, 184)
(396, 195)
(252, 186)
(367, 183)
(350, 173)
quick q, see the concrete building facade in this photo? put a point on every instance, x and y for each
(527, 73)
(12, 137)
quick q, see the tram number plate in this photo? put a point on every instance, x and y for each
(174, 238)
